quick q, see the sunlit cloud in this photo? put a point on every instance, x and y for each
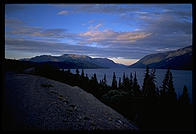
(110, 36)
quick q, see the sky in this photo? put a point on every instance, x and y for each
(123, 33)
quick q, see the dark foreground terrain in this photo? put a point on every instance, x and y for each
(37, 103)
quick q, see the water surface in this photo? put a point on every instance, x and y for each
(180, 77)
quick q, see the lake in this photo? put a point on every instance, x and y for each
(180, 77)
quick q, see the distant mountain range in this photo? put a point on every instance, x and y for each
(75, 61)
(178, 59)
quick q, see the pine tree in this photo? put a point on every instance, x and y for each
(104, 80)
(77, 78)
(82, 80)
(171, 91)
(152, 86)
(77, 72)
(145, 86)
(164, 87)
(93, 84)
(94, 78)
(123, 81)
(114, 82)
(68, 71)
(131, 80)
(184, 98)
(168, 93)
(136, 87)
(82, 74)
(119, 83)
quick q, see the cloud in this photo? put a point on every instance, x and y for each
(43, 47)
(11, 8)
(38, 32)
(98, 8)
(11, 21)
(112, 37)
(64, 12)
(19, 28)
(159, 28)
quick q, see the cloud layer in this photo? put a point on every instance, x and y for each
(149, 29)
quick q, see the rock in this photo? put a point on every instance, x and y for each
(84, 112)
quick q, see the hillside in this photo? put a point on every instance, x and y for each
(75, 61)
(34, 102)
(178, 59)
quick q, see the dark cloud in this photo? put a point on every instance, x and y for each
(14, 7)
(18, 27)
(12, 21)
(61, 48)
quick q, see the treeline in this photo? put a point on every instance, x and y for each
(149, 107)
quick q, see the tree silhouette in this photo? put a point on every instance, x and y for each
(94, 78)
(123, 81)
(119, 83)
(114, 82)
(146, 83)
(171, 91)
(184, 98)
(83, 81)
(68, 70)
(168, 94)
(82, 74)
(131, 80)
(93, 84)
(164, 86)
(104, 80)
(77, 71)
(136, 87)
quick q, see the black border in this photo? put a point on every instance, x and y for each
(2, 44)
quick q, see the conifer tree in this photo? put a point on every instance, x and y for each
(119, 83)
(145, 86)
(94, 78)
(168, 93)
(114, 82)
(82, 74)
(68, 71)
(171, 91)
(123, 81)
(104, 80)
(149, 87)
(152, 87)
(77, 71)
(184, 98)
(164, 87)
(136, 87)
(131, 80)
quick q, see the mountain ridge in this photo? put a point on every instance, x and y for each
(75, 61)
(176, 59)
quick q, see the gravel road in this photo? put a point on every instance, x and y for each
(35, 102)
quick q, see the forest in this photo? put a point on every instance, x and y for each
(149, 107)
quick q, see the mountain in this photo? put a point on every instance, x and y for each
(177, 59)
(75, 61)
